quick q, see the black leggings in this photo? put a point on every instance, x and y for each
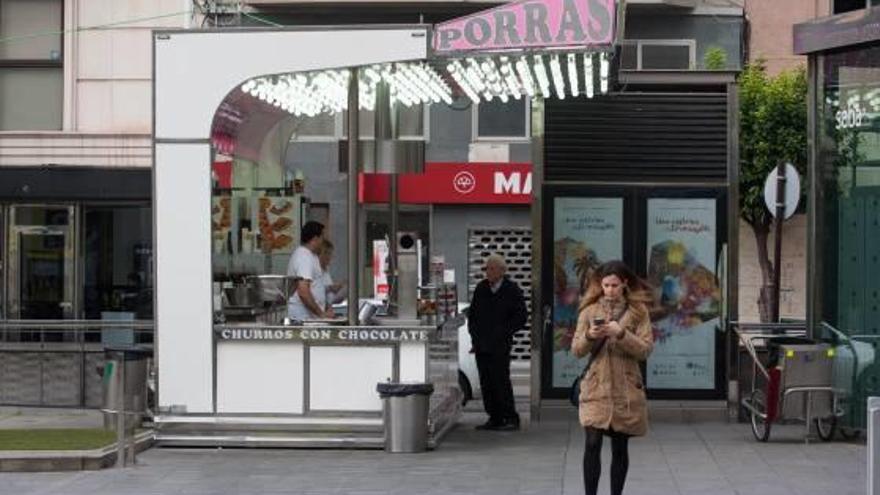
(593, 461)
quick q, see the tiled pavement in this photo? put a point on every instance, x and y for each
(676, 458)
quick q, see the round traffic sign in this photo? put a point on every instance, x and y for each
(792, 190)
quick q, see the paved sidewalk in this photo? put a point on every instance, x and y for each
(676, 458)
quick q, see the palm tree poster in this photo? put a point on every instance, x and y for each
(586, 233)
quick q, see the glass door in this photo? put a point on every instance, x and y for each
(584, 227)
(672, 237)
(41, 262)
(684, 235)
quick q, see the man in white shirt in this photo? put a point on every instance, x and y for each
(335, 292)
(309, 300)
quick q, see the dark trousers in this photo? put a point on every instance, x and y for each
(497, 390)
(593, 462)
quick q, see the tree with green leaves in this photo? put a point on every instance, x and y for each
(773, 128)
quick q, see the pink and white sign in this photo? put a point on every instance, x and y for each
(530, 24)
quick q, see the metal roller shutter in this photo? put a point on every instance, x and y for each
(637, 137)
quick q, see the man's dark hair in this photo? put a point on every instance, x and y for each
(311, 230)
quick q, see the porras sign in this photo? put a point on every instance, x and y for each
(530, 24)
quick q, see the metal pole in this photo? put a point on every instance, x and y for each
(120, 410)
(873, 445)
(353, 220)
(777, 238)
(394, 227)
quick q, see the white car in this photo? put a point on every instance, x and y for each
(468, 377)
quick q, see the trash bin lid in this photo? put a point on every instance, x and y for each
(130, 352)
(390, 389)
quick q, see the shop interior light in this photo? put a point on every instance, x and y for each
(327, 91)
(589, 74)
(573, 75)
(415, 83)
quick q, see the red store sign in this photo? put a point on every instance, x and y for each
(454, 183)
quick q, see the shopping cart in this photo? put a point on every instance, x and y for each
(793, 383)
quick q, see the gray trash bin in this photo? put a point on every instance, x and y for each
(405, 415)
(134, 358)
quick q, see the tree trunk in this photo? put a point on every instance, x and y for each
(765, 297)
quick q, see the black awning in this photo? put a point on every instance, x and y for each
(74, 183)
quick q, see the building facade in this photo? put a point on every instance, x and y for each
(75, 193)
(844, 78)
(75, 187)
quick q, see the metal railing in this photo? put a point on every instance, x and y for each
(56, 363)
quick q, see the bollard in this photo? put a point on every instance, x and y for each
(120, 415)
(873, 445)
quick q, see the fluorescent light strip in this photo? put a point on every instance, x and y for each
(603, 73)
(558, 80)
(495, 80)
(573, 75)
(541, 75)
(458, 74)
(508, 71)
(522, 68)
(588, 74)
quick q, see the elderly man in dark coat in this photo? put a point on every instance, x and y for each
(496, 312)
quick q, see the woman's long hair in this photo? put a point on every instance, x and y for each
(636, 291)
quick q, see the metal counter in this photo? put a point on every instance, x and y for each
(315, 385)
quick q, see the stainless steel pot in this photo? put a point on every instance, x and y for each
(273, 289)
(240, 296)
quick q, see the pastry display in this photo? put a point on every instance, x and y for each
(281, 242)
(281, 209)
(276, 224)
(221, 214)
(281, 224)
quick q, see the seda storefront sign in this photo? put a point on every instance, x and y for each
(530, 24)
(454, 183)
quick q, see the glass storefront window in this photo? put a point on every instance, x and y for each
(118, 262)
(848, 161)
(257, 213)
(498, 120)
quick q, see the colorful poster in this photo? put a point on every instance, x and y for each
(380, 267)
(682, 235)
(587, 233)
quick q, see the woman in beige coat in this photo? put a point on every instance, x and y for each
(614, 326)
